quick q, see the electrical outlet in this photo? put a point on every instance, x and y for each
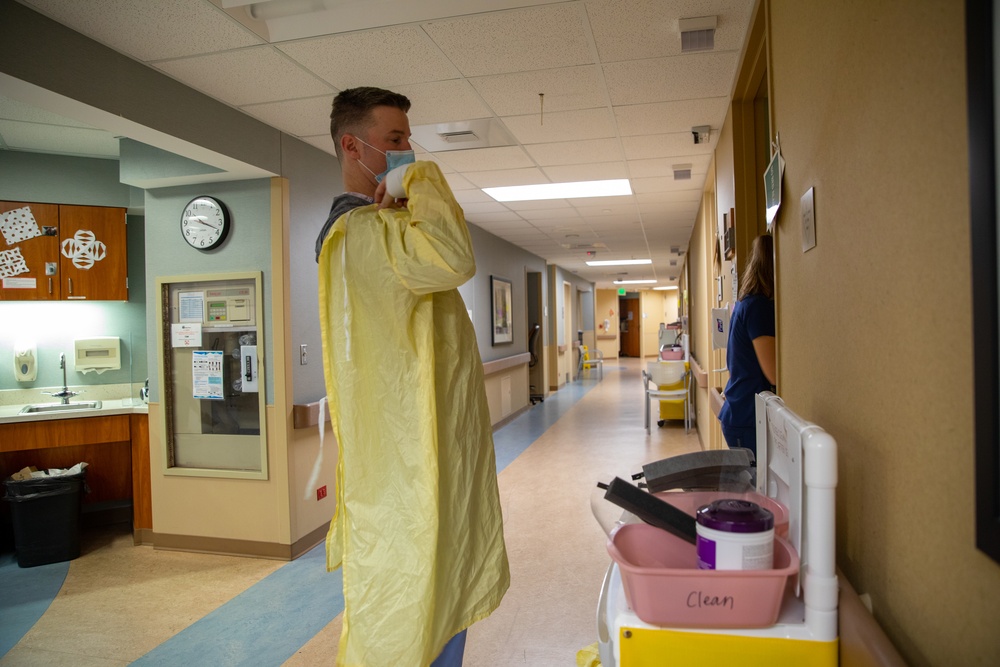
(321, 493)
(303, 356)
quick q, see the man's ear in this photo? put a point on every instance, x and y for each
(349, 146)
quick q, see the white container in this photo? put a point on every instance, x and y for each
(735, 534)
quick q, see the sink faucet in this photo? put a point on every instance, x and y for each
(65, 394)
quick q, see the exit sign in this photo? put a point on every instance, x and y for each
(621, 291)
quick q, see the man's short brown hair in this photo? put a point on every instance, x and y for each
(352, 110)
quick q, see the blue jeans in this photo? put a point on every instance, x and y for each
(451, 655)
(741, 437)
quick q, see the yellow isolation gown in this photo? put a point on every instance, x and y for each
(418, 528)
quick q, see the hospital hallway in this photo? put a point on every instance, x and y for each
(120, 604)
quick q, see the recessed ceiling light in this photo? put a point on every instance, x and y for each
(574, 190)
(618, 262)
(634, 282)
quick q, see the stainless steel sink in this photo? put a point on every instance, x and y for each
(42, 408)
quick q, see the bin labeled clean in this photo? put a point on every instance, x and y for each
(45, 513)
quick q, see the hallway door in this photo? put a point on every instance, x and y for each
(629, 309)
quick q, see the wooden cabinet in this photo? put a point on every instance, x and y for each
(69, 252)
(39, 254)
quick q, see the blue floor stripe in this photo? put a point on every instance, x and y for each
(264, 625)
(25, 594)
(511, 440)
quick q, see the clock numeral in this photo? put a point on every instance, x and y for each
(203, 241)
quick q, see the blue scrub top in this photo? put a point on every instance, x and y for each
(753, 317)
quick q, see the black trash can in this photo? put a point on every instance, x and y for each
(45, 513)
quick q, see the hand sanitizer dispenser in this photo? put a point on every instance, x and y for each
(25, 362)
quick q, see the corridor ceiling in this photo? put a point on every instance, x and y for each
(560, 91)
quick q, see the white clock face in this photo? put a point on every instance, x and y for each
(204, 223)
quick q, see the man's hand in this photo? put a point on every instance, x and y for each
(385, 200)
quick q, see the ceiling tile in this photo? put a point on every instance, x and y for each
(246, 76)
(665, 145)
(667, 117)
(500, 217)
(562, 89)
(485, 159)
(505, 177)
(600, 171)
(546, 204)
(665, 79)
(665, 166)
(323, 142)
(514, 41)
(443, 102)
(300, 118)
(561, 126)
(634, 29)
(575, 152)
(385, 57)
(183, 27)
(664, 184)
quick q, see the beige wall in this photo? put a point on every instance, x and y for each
(874, 322)
(606, 304)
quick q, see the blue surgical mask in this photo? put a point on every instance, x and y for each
(393, 159)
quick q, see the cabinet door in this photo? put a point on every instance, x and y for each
(29, 251)
(94, 256)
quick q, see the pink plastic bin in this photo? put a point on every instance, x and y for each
(673, 354)
(664, 586)
(690, 501)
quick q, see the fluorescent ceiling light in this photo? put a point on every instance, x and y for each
(666, 287)
(575, 190)
(618, 262)
(634, 282)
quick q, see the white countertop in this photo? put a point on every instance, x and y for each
(10, 413)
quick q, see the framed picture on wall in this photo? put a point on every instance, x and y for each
(502, 302)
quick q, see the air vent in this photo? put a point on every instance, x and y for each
(458, 137)
(697, 34)
(682, 172)
(676, 250)
(461, 135)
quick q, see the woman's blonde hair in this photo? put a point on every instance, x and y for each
(758, 274)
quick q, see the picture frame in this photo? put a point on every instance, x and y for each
(502, 310)
(983, 159)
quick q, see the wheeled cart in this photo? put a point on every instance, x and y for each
(797, 467)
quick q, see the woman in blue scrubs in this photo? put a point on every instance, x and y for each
(751, 353)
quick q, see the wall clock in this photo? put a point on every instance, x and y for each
(205, 223)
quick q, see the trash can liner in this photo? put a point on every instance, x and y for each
(45, 512)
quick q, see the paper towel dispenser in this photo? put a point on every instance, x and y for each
(101, 353)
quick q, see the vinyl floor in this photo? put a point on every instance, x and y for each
(120, 604)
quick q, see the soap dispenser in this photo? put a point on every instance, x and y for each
(25, 362)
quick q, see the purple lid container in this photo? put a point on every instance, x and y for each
(735, 516)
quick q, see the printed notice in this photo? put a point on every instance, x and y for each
(192, 306)
(206, 369)
(185, 335)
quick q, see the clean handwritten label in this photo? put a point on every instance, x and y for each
(699, 599)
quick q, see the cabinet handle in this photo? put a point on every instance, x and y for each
(70, 285)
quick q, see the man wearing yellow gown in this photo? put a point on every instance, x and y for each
(418, 529)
